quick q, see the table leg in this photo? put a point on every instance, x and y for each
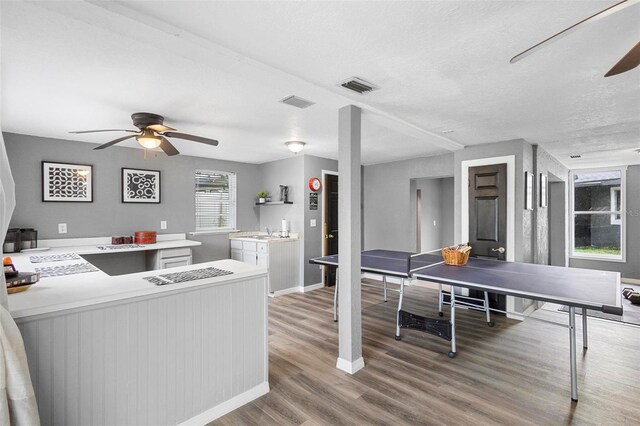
(452, 354)
(487, 310)
(335, 299)
(440, 300)
(399, 308)
(584, 328)
(384, 282)
(572, 353)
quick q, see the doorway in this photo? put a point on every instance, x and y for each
(434, 202)
(330, 224)
(557, 221)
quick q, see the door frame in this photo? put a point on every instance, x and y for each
(324, 208)
(510, 160)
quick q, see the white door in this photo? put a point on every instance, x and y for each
(250, 257)
(236, 254)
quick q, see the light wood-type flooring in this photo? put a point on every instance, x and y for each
(516, 373)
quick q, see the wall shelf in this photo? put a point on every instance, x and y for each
(271, 203)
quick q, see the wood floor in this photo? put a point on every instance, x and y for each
(516, 373)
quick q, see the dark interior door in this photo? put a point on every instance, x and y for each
(488, 218)
(331, 224)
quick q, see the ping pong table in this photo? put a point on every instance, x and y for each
(572, 287)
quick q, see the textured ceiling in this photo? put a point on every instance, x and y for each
(218, 68)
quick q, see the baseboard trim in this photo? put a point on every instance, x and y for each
(306, 289)
(630, 281)
(229, 405)
(285, 291)
(392, 280)
(350, 367)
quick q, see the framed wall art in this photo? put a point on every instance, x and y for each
(64, 182)
(140, 186)
(543, 189)
(528, 191)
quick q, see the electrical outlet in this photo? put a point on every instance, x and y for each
(62, 228)
(312, 223)
(163, 224)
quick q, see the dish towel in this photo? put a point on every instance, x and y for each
(17, 400)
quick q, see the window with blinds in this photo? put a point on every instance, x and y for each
(215, 200)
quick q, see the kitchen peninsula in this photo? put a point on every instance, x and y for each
(122, 350)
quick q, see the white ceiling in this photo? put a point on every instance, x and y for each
(217, 69)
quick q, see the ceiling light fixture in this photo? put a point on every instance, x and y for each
(148, 139)
(295, 146)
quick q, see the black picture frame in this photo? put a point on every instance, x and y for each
(141, 195)
(66, 182)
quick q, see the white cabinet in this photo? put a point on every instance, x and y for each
(168, 258)
(281, 258)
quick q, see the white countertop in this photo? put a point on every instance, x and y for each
(251, 236)
(52, 294)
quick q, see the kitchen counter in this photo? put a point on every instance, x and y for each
(261, 237)
(120, 350)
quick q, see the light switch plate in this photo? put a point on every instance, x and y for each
(163, 224)
(312, 223)
(62, 228)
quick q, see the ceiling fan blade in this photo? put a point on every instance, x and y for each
(115, 141)
(608, 11)
(106, 130)
(627, 63)
(191, 138)
(159, 128)
(168, 148)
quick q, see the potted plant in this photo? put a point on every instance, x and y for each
(262, 196)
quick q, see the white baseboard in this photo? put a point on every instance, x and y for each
(350, 367)
(630, 281)
(312, 287)
(285, 291)
(392, 280)
(229, 405)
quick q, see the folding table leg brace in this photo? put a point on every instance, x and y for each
(484, 307)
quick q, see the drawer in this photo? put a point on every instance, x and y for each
(236, 244)
(175, 252)
(263, 248)
(249, 245)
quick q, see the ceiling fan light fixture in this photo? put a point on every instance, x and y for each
(295, 146)
(149, 140)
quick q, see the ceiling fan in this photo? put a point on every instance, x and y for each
(151, 133)
(628, 61)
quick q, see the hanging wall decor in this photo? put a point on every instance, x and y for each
(140, 186)
(543, 189)
(528, 191)
(67, 182)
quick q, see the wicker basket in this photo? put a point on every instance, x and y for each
(455, 257)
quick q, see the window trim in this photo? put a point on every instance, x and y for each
(233, 205)
(612, 192)
(623, 208)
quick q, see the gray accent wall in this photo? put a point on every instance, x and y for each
(107, 215)
(630, 268)
(389, 202)
(313, 167)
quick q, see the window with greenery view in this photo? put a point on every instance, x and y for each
(215, 200)
(598, 213)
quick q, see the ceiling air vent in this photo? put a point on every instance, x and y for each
(296, 101)
(575, 156)
(358, 85)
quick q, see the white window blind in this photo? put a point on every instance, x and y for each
(215, 194)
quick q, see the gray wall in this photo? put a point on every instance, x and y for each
(288, 171)
(557, 219)
(547, 165)
(313, 167)
(630, 268)
(107, 215)
(437, 205)
(389, 202)
(447, 201)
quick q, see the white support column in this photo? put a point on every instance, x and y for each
(349, 242)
